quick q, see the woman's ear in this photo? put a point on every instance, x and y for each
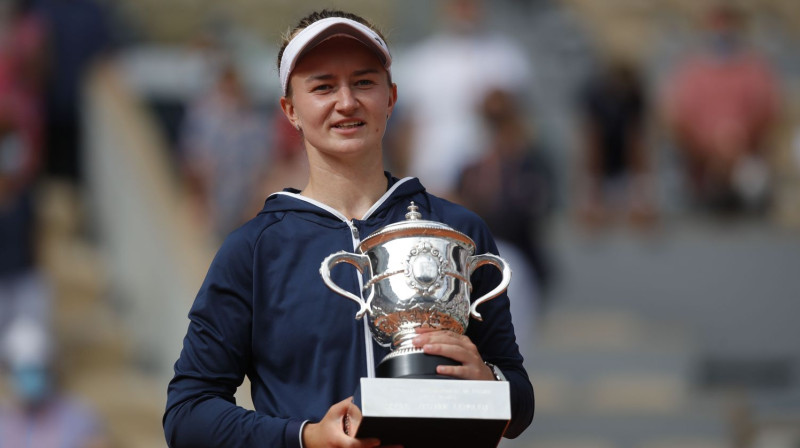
(288, 110)
(392, 100)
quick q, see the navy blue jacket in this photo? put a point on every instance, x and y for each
(264, 311)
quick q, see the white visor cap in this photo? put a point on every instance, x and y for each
(324, 29)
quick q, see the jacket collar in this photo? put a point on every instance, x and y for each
(290, 200)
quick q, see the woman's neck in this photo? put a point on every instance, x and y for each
(351, 189)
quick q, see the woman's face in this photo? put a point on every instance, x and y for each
(341, 98)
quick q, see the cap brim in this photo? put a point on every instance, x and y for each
(324, 29)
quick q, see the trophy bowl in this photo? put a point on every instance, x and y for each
(416, 274)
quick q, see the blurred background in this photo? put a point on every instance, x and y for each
(638, 162)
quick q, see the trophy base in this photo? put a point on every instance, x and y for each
(413, 365)
(421, 413)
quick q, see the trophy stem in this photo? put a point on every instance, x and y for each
(407, 361)
(404, 339)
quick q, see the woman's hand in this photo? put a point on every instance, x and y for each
(457, 347)
(336, 428)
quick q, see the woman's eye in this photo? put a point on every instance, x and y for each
(321, 88)
(365, 82)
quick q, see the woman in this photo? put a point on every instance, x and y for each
(263, 310)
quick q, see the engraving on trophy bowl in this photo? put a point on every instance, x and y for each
(395, 323)
(424, 267)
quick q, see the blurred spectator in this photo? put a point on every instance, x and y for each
(79, 33)
(22, 289)
(22, 54)
(512, 187)
(448, 76)
(615, 176)
(22, 51)
(224, 153)
(721, 105)
(38, 415)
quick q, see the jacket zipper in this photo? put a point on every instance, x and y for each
(354, 233)
(367, 334)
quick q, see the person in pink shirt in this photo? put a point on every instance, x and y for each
(721, 104)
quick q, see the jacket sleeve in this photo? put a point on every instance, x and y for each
(201, 410)
(495, 339)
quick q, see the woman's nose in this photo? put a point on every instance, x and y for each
(346, 101)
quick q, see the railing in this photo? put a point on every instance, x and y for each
(156, 256)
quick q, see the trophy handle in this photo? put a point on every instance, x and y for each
(361, 262)
(476, 261)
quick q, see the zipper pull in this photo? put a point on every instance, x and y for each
(354, 229)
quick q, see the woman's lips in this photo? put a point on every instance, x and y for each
(349, 125)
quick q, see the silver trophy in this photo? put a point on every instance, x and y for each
(416, 274)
